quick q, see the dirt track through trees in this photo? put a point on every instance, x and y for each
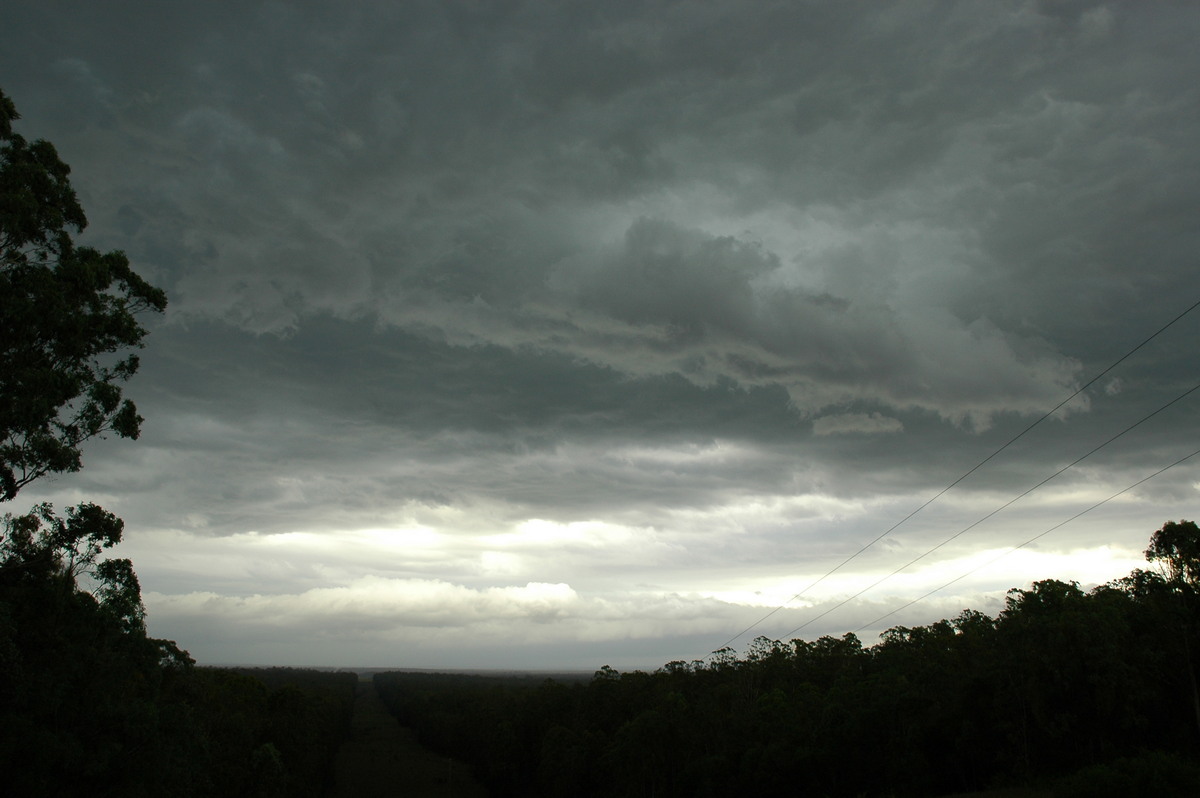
(382, 758)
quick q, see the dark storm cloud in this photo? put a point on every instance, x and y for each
(360, 418)
(444, 144)
(746, 281)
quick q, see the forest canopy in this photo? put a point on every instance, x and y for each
(1067, 692)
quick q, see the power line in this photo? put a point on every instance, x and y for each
(1004, 506)
(975, 468)
(1036, 537)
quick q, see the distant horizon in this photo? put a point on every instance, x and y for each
(365, 670)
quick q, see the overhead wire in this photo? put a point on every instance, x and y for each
(1004, 506)
(964, 476)
(1035, 538)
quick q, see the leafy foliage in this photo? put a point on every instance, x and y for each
(40, 545)
(1177, 548)
(65, 313)
(82, 677)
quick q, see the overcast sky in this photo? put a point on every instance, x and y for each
(555, 335)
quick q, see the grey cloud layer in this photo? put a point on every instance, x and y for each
(799, 197)
(748, 281)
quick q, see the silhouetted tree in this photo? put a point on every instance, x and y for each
(63, 311)
(1176, 547)
(89, 703)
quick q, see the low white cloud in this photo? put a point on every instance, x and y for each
(410, 608)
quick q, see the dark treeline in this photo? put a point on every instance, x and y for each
(1084, 692)
(90, 705)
